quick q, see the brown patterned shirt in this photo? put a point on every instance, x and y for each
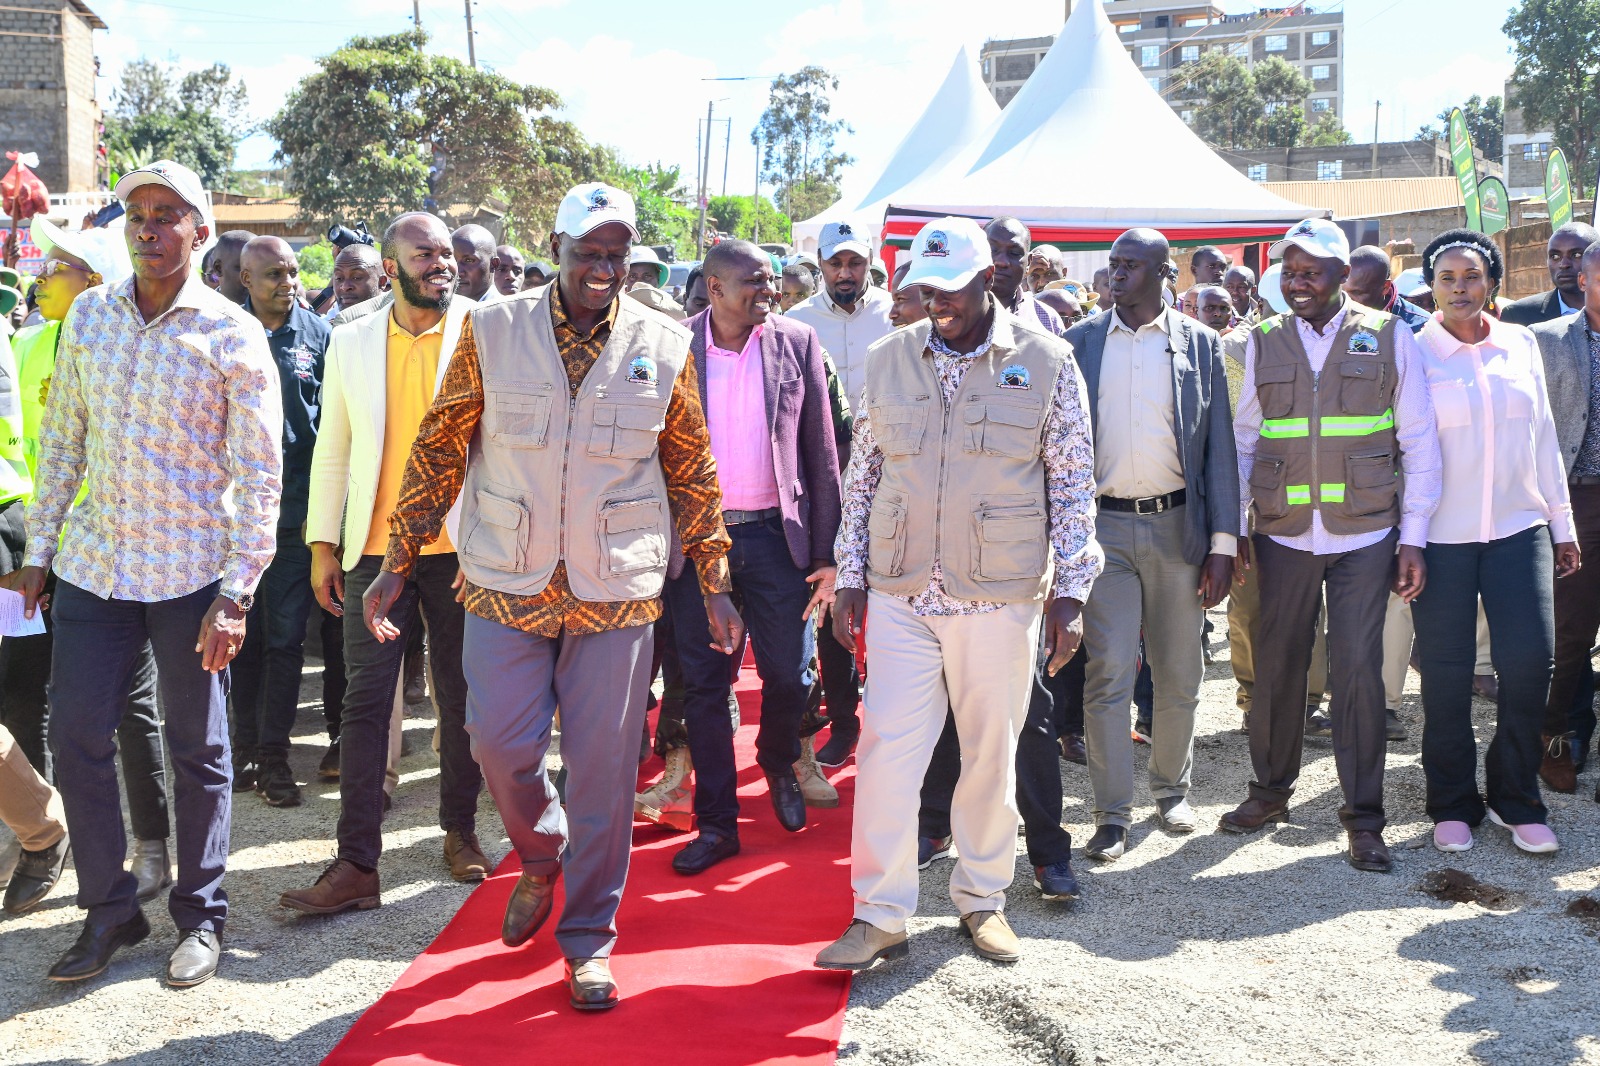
(438, 465)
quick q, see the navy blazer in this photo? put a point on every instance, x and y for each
(1204, 428)
(805, 458)
(1531, 310)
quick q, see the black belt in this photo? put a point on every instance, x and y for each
(741, 518)
(1583, 481)
(1148, 505)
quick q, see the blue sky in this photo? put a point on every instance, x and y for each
(632, 73)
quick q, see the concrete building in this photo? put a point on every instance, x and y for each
(1526, 152)
(1163, 36)
(1343, 162)
(47, 94)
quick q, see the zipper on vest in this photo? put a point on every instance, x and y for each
(566, 456)
(944, 457)
(1316, 440)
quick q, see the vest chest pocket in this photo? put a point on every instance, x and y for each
(626, 430)
(633, 535)
(1003, 429)
(517, 418)
(886, 539)
(1011, 539)
(899, 423)
(1275, 389)
(496, 538)
(1267, 488)
(1371, 483)
(1363, 387)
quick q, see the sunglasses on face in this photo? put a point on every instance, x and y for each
(56, 266)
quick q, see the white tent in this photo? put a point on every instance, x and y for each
(960, 110)
(1088, 149)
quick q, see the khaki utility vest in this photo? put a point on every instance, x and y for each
(552, 476)
(963, 483)
(1327, 440)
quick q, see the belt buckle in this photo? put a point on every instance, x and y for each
(1156, 505)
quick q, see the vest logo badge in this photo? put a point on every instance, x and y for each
(1363, 343)
(937, 245)
(1014, 376)
(642, 371)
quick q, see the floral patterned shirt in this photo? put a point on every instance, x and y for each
(1068, 455)
(176, 425)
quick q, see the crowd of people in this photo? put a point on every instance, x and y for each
(1009, 496)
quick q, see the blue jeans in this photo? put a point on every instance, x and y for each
(266, 672)
(98, 644)
(774, 592)
(1514, 575)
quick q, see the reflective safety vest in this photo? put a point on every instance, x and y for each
(1327, 440)
(16, 479)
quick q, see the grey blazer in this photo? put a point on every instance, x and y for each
(1204, 419)
(1564, 345)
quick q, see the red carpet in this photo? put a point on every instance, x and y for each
(713, 970)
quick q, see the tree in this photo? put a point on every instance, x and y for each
(797, 134)
(1329, 132)
(383, 127)
(1282, 91)
(739, 216)
(1555, 43)
(1245, 108)
(1485, 120)
(197, 120)
(316, 265)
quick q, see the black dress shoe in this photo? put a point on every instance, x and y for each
(838, 749)
(704, 852)
(1107, 844)
(92, 953)
(527, 908)
(195, 958)
(787, 802)
(36, 874)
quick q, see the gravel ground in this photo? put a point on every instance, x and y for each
(1213, 948)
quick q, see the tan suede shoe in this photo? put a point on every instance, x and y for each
(991, 936)
(862, 946)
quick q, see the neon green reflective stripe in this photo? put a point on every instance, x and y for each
(1299, 493)
(1280, 428)
(1331, 493)
(1269, 325)
(1357, 425)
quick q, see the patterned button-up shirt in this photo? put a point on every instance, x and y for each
(1068, 456)
(176, 424)
(1587, 464)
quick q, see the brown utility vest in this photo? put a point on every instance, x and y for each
(963, 483)
(1327, 440)
(552, 476)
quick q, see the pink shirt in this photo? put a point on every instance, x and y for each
(736, 415)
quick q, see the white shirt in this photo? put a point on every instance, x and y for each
(1135, 445)
(846, 337)
(1503, 471)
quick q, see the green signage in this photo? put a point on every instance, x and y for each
(1495, 205)
(1466, 167)
(1558, 189)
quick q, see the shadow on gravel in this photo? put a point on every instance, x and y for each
(251, 1047)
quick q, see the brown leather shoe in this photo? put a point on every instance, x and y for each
(589, 984)
(1368, 851)
(466, 858)
(528, 907)
(1253, 814)
(342, 886)
(1556, 769)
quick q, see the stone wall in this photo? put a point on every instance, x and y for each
(47, 91)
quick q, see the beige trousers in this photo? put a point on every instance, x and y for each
(980, 666)
(28, 806)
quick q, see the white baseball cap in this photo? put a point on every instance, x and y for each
(1271, 288)
(594, 204)
(1315, 236)
(105, 250)
(1409, 283)
(643, 253)
(947, 254)
(841, 237)
(175, 176)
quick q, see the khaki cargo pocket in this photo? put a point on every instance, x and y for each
(1006, 429)
(1371, 483)
(886, 539)
(1011, 538)
(518, 417)
(1267, 489)
(1275, 389)
(633, 535)
(899, 424)
(1363, 387)
(496, 537)
(626, 430)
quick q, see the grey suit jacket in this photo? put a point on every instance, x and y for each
(1204, 428)
(1531, 310)
(1564, 345)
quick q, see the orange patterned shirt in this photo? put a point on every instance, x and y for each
(437, 468)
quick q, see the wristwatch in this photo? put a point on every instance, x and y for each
(243, 600)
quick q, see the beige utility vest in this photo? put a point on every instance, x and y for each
(963, 483)
(552, 476)
(1327, 440)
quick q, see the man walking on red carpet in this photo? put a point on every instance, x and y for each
(564, 535)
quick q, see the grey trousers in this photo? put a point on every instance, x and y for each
(515, 682)
(1146, 582)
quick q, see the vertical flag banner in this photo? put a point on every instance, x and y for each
(1558, 189)
(1495, 205)
(1466, 167)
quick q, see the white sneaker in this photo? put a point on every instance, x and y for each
(814, 787)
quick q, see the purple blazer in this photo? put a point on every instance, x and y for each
(805, 458)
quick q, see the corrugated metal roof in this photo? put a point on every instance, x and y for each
(1371, 197)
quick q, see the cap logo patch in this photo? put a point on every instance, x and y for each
(937, 245)
(844, 229)
(599, 200)
(1363, 343)
(1014, 376)
(1302, 230)
(642, 371)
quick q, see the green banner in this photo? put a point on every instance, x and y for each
(1466, 167)
(1558, 189)
(1494, 204)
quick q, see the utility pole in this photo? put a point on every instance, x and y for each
(1377, 107)
(472, 46)
(727, 145)
(705, 176)
(416, 14)
(755, 200)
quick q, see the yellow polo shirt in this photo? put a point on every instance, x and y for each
(411, 371)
